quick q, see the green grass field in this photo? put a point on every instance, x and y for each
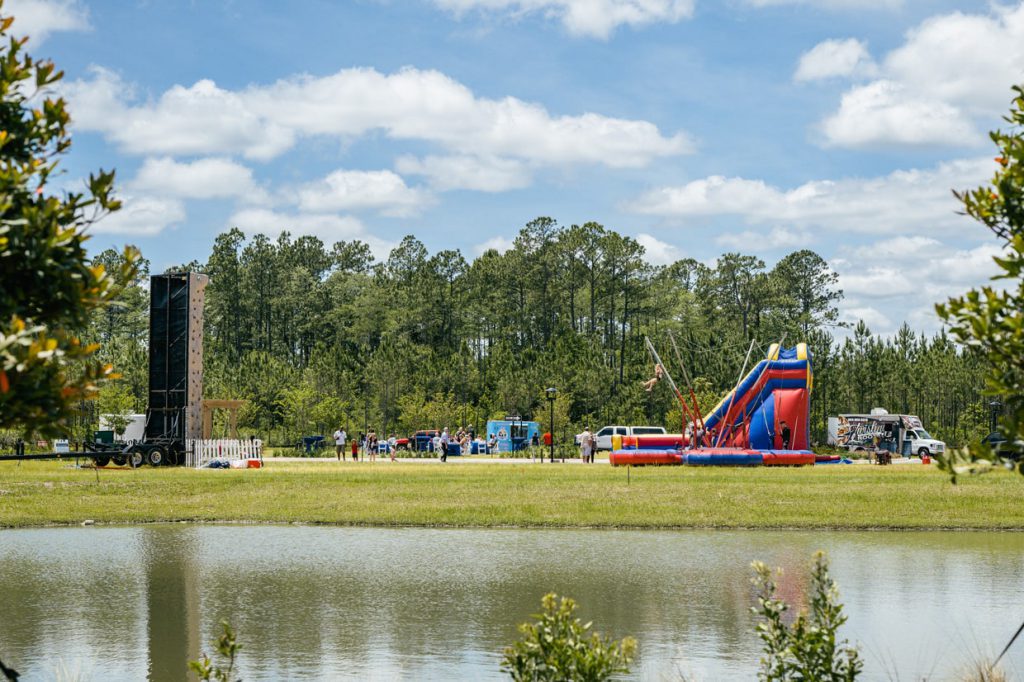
(414, 494)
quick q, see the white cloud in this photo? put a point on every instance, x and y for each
(263, 121)
(39, 18)
(141, 216)
(871, 281)
(593, 18)
(898, 247)
(658, 252)
(969, 60)
(272, 223)
(832, 58)
(201, 119)
(906, 276)
(832, 4)
(345, 190)
(903, 202)
(212, 178)
(776, 238)
(950, 71)
(499, 244)
(877, 321)
(327, 227)
(884, 113)
(444, 173)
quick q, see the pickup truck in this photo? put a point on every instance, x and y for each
(604, 436)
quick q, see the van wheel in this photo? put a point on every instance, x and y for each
(923, 452)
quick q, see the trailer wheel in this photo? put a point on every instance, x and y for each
(101, 461)
(119, 460)
(156, 456)
(923, 452)
(136, 457)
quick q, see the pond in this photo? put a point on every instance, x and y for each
(329, 603)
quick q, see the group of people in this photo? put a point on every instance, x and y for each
(464, 438)
(369, 442)
(698, 437)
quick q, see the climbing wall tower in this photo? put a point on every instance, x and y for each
(176, 356)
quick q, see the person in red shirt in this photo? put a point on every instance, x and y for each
(547, 439)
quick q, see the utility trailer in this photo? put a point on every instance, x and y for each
(102, 454)
(175, 411)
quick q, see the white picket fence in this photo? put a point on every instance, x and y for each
(201, 452)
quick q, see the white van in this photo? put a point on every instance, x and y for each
(604, 436)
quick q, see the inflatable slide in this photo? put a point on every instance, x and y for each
(747, 426)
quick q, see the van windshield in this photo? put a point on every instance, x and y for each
(921, 433)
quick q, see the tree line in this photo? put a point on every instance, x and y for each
(314, 336)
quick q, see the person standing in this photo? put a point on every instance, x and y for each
(786, 433)
(392, 446)
(339, 443)
(355, 449)
(444, 445)
(371, 445)
(585, 444)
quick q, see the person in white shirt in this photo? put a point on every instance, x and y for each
(444, 444)
(339, 443)
(392, 446)
(586, 443)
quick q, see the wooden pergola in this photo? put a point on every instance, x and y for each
(231, 406)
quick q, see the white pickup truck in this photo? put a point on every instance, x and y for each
(604, 436)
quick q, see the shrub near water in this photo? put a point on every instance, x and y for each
(808, 648)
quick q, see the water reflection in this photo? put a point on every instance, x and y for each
(324, 603)
(172, 591)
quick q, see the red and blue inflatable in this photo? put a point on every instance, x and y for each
(746, 427)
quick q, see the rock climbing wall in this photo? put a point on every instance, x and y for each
(176, 356)
(194, 405)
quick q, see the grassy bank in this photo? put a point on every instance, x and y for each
(413, 494)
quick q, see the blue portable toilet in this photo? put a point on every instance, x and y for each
(512, 433)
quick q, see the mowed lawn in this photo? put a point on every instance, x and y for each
(431, 494)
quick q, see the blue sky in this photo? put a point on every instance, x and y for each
(695, 126)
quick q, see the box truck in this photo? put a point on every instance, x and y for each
(901, 434)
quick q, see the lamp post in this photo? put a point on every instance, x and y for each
(551, 394)
(995, 406)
